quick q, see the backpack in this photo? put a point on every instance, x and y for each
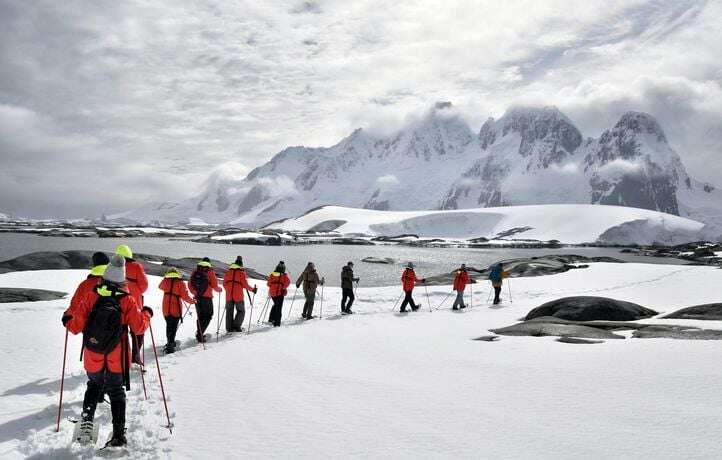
(104, 326)
(199, 281)
(495, 273)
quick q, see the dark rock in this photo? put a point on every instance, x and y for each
(578, 341)
(8, 295)
(378, 260)
(327, 225)
(488, 338)
(539, 329)
(585, 308)
(606, 325)
(661, 332)
(710, 311)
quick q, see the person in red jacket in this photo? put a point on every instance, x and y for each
(174, 291)
(137, 285)
(99, 262)
(408, 281)
(278, 283)
(461, 279)
(202, 283)
(107, 372)
(235, 282)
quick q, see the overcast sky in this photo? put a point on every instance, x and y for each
(105, 105)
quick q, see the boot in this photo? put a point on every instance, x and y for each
(117, 408)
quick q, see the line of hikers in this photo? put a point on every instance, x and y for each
(108, 308)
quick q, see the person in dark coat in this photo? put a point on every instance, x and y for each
(310, 280)
(347, 280)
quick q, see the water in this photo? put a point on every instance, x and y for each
(328, 258)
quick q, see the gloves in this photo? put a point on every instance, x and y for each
(219, 289)
(284, 293)
(255, 289)
(298, 286)
(193, 301)
(423, 280)
(149, 310)
(66, 318)
(356, 279)
(323, 281)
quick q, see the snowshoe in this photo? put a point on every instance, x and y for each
(349, 312)
(415, 308)
(455, 308)
(463, 306)
(85, 433)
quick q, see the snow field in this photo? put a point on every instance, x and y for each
(376, 384)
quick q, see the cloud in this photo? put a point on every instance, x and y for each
(621, 167)
(388, 180)
(160, 94)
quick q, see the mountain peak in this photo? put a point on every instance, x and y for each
(640, 123)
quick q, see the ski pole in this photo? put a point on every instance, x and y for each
(355, 289)
(62, 380)
(471, 296)
(292, 301)
(160, 379)
(397, 302)
(188, 309)
(508, 285)
(218, 328)
(427, 297)
(263, 310)
(140, 369)
(250, 315)
(491, 289)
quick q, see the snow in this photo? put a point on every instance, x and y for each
(572, 224)
(254, 235)
(379, 385)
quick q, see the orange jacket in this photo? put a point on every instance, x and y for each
(87, 286)
(212, 283)
(234, 282)
(278, 284)
(131, 315)
(461, 280)
(174, 289)
(409, 279)
(137, 281)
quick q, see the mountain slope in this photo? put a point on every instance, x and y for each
(528, 156)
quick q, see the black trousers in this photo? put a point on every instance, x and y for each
(408, 300)
(171, 327)
(308, 305)
(277, 310)
(235, 313)
(497, 293)
(110, 383)
(204, 307)
(347, 294)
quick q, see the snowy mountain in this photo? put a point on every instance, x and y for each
(567, 223)
(528, 156)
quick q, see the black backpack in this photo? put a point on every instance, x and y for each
(199, 281)
(104, 326)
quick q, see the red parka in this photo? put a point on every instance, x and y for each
(212, 283)
(86, 286)
(278, 284)
(461, 280)
(234, 282)
(131, 315)
(174, 289)
(137, 281)
(409, 279)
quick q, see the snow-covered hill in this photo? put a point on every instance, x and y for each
(529, 156)
(572, 224)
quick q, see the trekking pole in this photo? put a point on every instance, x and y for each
(188, 309)
(263, 310)
(160, 379)
(321, 313)
(140, 370)
(250, 315)
(444, 301)
(218, 328)
(62, 380)
(508, 285)
(199, 334)
(427, 297)
(292, 301)
(397, 302)
(355, 289)
(488, 298)
(471, 296)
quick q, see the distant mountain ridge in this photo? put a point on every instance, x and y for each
(530, 155)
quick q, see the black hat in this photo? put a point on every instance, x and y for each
(350, 264)
(239, 261)
(100, 258)
(281, 267)
(206, 259)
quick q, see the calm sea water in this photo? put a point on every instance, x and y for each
(328, 258)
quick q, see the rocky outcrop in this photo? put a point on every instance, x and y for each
(584, 308)
(540, 329)
(710, 311)
(11, 295)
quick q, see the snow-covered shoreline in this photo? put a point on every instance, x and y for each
(378, 385)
